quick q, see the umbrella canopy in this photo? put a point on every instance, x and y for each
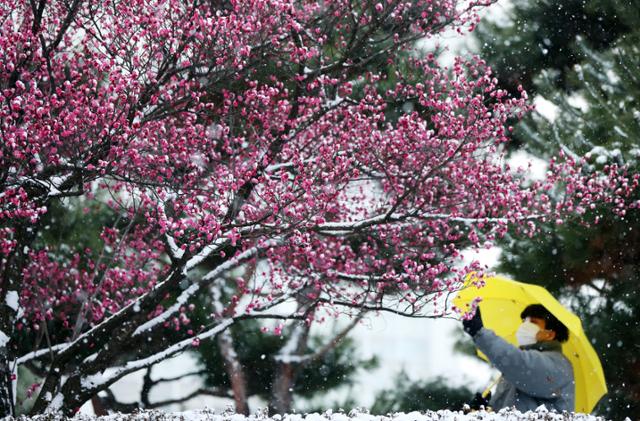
(502, 302)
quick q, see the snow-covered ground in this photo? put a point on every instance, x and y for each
(504, 415)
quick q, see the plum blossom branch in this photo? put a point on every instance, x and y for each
(207, 279)
(384, 219)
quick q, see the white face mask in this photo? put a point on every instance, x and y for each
(526, 333)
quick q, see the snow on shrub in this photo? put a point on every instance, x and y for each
(355, 415)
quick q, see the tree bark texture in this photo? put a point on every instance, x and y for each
(287, 370)
(235, 371)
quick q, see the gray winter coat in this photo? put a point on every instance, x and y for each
(531, 376)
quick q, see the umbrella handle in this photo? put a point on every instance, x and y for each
(488, 389)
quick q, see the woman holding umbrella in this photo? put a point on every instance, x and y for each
(536, 372)
(537, 343)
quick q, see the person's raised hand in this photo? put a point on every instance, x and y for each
(474, 324)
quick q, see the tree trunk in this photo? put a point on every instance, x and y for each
(7, 376)
(282, 389)
(98, 407)
(7, 408)
(287, 370)
(235, 371)
(11, 272)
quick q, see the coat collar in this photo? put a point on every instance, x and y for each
(544, 346)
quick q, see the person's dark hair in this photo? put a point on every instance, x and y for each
(551, 322)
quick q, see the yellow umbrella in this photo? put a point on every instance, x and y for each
(502, 302)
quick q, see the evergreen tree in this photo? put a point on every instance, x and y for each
(593, 82)
(540, 35)
(407, 396)
(257, 352)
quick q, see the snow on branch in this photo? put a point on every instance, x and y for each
(4, 340)
(384, 219)
(97, 380)
(192, 290)
(136, 303)
(363, 223)
(165, 315)
(354, 277)
(205, 253)
(285, 165)
(234, 261)
(175, 252)
(40, 352)
(115, 316)
(52, 185)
